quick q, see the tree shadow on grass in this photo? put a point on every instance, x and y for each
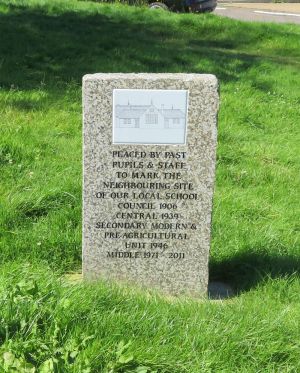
(48, 49)
(246, 270)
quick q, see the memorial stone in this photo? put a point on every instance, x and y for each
(148, 179)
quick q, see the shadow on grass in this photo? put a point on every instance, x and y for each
(246, 270)
(50, 48)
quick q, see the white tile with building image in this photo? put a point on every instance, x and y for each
(149, 116)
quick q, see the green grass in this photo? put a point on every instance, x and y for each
(46, 47)
(47, 320)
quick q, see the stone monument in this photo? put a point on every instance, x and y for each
(148, 179)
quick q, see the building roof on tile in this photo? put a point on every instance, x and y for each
(172, 113)
(136, 111)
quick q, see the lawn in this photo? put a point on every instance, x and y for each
(50, 324)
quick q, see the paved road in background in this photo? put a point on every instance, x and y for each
(260, 12)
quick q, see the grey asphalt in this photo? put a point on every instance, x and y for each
(259, 13)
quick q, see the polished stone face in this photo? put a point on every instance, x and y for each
(149, 167)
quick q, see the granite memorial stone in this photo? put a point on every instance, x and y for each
(148, 179)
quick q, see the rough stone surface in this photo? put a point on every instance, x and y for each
(167, 272)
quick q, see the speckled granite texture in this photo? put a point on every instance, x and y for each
(182, 266)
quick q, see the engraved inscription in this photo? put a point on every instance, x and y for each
(147, 203)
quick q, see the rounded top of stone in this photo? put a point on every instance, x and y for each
(209, 78)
